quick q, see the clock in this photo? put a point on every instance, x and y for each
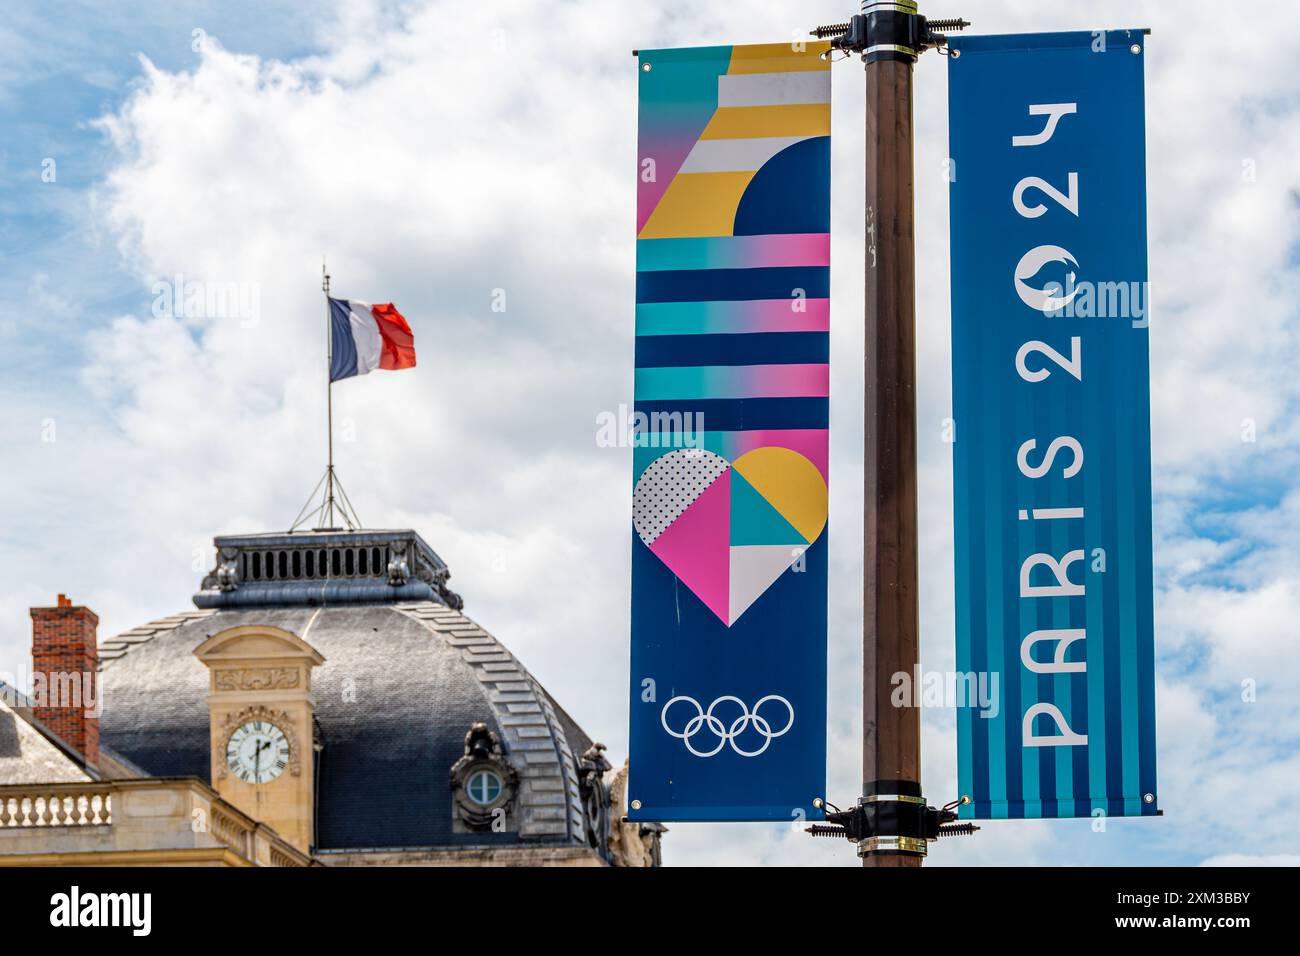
(257, 752)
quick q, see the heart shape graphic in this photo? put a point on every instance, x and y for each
(729, 530)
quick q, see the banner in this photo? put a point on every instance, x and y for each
(728, 675)
(1051, 408)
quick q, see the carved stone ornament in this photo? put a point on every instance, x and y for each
(399, 572)
(257, 678)
(236, 719)
(228, 569)
(592, 767)
(482, 752)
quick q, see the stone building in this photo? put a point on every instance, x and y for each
(327, 702)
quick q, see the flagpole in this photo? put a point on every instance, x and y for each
(328, 513)
(334, 503)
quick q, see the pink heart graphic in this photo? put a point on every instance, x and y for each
(729, 530)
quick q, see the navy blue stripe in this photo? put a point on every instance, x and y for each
(1040, 613)
(1116, 786)
(1079, 691)
(1144, 583)
(733, 285)
(973, 485)
(741, 414)
(751, 348)
(343, 348)
(1000, 390)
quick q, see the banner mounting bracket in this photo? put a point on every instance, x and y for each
(889, 30)
(892, 823)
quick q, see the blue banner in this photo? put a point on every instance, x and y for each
(729, 430)
(1051, 404)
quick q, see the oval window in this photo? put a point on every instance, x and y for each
(483, 787)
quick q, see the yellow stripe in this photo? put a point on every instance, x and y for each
(778, 58)
(751, 122)
(697, 204)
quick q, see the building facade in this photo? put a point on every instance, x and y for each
(326, 702)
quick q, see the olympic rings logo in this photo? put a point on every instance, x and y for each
(727, 733)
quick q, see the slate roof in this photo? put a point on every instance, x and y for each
(400, 686)
(28, 752)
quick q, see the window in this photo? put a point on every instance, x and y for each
(483, 787)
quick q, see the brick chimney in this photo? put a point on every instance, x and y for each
(65, 674)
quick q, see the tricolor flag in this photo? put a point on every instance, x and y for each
(364, 337)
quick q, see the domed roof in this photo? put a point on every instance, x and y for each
(402, 683)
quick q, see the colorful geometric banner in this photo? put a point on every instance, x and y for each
(728, 674)
(1052, 460)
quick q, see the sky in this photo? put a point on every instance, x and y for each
(455, 157)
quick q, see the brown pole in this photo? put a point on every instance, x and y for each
(891, 736)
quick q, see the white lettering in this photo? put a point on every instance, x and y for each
(1038, 471)
(1066, 738)
(1053, 112)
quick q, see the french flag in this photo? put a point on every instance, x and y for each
(364, 337)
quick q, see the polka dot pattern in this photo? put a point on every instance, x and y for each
(669, 486)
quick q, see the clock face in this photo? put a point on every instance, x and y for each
(257, 752)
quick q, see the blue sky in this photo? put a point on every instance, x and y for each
(438, 154)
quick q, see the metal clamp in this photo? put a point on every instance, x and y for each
(893, 844)
(896, 823)
(888, 30)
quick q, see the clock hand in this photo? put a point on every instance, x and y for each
(263, 745)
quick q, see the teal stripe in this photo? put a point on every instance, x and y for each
(1128, 638)
(709, 252)
(1062, 490)
(1027, 684)
(994, 621)
(686, 383)
(1062, 684)
(1025, 492)
(961, 588)
(698, 381)
(688, 318)
(708, 318)
(1096, 512)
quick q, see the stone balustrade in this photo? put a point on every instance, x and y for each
(149, 820)
(56, 805)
